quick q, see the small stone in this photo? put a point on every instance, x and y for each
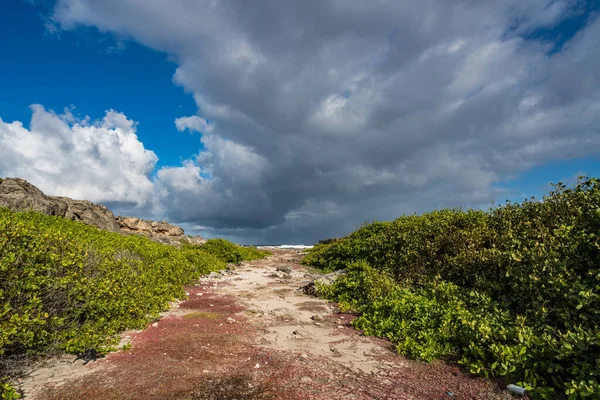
(257, 366)
(212, 305)
(318, 324)
(296, 335)
(187, 293)
(154, 325)
(205, 371)
(231, 321)
(199, 294)
(284, 268)
(305, 379)
(304, 356)
(316, 318)
(340, 327)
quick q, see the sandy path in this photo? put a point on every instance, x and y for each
(250, 334)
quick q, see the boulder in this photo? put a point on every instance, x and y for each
(284, 268)
(311, 287)
(19, 195)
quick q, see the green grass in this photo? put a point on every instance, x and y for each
(512, 292)
(69, 287)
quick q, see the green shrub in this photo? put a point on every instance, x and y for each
(66, 286)
(511, 292)
(229, 252)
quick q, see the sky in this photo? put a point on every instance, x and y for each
(286, 122)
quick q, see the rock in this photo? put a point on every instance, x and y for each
(257, 366)
(298, 335)
(316, 317)
(146, 227)
(195, 240)
(160, 231)
(19, 195)
(154, 325)
(311, 287)
(284, 268)
(305, 379)
(336, 352)
(214, 275)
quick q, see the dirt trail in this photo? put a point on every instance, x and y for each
(249, 334)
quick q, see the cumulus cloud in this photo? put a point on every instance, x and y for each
(324, 114)
(63, 155)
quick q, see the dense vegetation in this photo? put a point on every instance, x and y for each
(230, 252)
(512, 292)
(66, 286)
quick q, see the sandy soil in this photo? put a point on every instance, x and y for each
(250, 334)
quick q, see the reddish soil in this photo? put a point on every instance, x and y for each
(250, 335)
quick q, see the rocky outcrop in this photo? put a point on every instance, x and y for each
(161, 231)
(19, 195)
(197, 240)
(149, 228)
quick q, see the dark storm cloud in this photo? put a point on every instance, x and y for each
(326, 114)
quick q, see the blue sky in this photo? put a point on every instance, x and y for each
(322, 115)
(85, 69)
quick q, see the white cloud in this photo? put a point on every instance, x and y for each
(101, 161)
(193, 123)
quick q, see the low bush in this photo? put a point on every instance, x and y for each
(512, 292)
(229, 252)
(69, 287)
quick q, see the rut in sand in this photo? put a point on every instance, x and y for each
(250, 334)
